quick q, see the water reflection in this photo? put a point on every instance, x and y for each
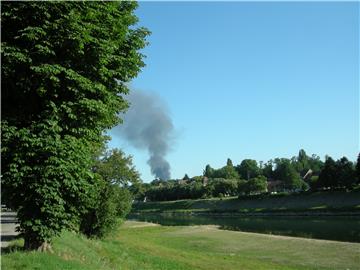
(331, 228)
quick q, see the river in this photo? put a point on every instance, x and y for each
(339, 228)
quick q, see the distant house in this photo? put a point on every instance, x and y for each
(205, 181)
(275, 186)
(182, 181)
(308, 174)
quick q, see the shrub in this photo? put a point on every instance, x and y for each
(113, 204)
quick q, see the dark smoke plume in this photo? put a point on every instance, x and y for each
(147, 125)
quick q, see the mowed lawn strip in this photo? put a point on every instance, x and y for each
(139, 245)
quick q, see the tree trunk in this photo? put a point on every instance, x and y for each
(45, 247)
(33, 243)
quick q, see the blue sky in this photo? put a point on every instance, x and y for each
(251, 80)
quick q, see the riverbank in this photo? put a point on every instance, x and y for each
(139, 246)
(330, 203)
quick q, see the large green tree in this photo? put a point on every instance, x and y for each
(316, 164)
(337, 174)
(227, 172)
(346, 172)
(223, 187)
(286, 172)
(301, 163)
(65, 68)
(256, 185)
(267, 169)
(248, 168)
(358, 168)
(208, 172)
(329, 176)
(304, 163)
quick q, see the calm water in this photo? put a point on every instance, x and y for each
(330, 228)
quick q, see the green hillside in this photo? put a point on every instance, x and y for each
(143, 246)
(335, 202)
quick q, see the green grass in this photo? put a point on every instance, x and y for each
(335, 201)
(138, 247)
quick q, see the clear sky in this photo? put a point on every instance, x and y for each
(252, 80)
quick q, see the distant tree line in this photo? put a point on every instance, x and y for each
(300, 173)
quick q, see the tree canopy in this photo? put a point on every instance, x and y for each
(287, 173)
(208, 172)
(340, 173)
(329, 175)
(358, 168)
(248, 168)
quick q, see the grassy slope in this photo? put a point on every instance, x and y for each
(195, 247)
(318, 201)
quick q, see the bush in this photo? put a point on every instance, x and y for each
(114, 203)
(256, 185)
(224, 186)
(313, 181)
(242, 188)
(123, 201)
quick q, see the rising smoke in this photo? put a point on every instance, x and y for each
(147, 125)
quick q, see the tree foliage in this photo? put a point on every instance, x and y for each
(224, 187)
(286, 172)
(329, 175)
(303, 163)
(226, 172)
(337, 174)
(248, 168)
(316, 164)
(47, 180)
(115, 172)
(65, 66)
(173, 190)
(208, 172)
(256, 185)
(267, 169)
(358, 168)
(116, 168)
(346, 172)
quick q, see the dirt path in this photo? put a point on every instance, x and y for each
(8, 225)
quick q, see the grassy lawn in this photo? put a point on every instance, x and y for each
(333, 201)
(138, 246)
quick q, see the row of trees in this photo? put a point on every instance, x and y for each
(299, 173)
(279, 168)
(65, 71)
(195, 189)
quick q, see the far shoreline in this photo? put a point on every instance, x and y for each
(330, 203)
(251, 214)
